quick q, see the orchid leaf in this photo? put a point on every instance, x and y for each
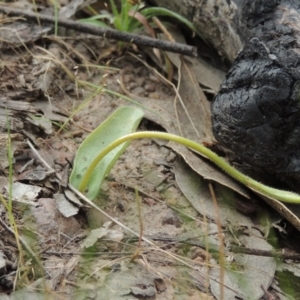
(123, 121)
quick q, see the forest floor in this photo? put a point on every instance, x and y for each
(55, 91)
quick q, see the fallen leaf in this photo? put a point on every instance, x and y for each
(65, 207)
(247, 278)
(25, 193)
(163, 113)
(196, 191)
(204, 73)
(96, 234)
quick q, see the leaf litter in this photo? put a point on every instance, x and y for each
(42, 90)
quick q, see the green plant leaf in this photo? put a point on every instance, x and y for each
(113, 7)
(163, 12)
(269, 192)
(94, 22)
(123, 121)
(97, 20)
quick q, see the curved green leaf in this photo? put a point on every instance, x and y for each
(160, 11)
(95, 22)
(269, 192)
(123, 121)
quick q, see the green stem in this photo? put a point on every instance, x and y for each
(280, 195)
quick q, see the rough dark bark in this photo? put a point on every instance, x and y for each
(257, 110)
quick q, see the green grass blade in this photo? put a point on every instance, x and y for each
(113, 7)
(163, 12)
(116, 19)
(123, 121)
(99, 17)
(94, 22)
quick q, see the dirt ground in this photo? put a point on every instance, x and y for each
(55, 92)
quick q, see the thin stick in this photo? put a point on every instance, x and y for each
(107, 215)
(221, 240)
(51, 170)
(280, 253)
(138, 201)
(105, 32)
(27, 247)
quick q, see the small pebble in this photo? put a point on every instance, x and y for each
(171, 218)
(149, 87)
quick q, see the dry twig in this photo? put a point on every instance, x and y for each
(105, 32)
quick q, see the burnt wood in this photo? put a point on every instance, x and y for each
(256, 112)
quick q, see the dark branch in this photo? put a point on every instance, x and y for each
(105, 32)
(280, 253)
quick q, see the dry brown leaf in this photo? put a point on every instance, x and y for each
(204, 73)
(163, 113)
(193, 109)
